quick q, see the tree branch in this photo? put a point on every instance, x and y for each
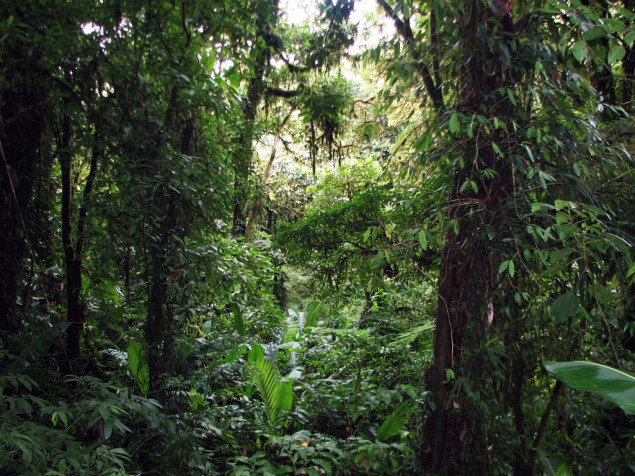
(294, 68)
(434, 41)
(404, 29)
(281, 93)
(540, 433)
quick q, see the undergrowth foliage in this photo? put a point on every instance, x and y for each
(231, 244)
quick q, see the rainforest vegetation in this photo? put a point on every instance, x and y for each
(327, 237)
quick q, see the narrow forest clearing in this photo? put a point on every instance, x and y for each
(321, 237)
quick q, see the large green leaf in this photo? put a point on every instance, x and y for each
(37, 347)
(138, 365)
(292, 334)
(564, 307)
(256, 352)
(454, 124)
(239, 321)
(413, 334)
(276, 395)
(579, 50)
(610, 383)
(284, 396)
(394, 423)
(313, 312)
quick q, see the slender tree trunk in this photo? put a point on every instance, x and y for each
(73, 252)
(162, 215)
(517, 379)
(155, 326)
(255, 90)
(254, 211)
(243, 158)
(628, 69)
(74, 307)
(168, 223)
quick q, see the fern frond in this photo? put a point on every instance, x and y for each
(276, 395)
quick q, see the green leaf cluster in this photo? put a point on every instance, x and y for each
(276, 393)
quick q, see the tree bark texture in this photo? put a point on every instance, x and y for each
(454, 433)
(74, 249)
(72, 263)
(464, 286)
(20, 136)
(628, 70)
(255, 91)
(158, 315)
(165, 213)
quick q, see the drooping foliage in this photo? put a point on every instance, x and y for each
(513, 128)
(234, 245)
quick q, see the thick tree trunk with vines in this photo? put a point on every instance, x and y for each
(454, 433)
(165, 211)
(453, 438)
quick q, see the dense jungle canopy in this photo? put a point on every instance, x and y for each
(327, 237)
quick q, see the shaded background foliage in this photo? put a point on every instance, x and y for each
(234, 245)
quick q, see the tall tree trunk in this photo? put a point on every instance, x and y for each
(162, 215)
(155, 326)
(243, 158)
(453, 434)
(20, 138)
(628, 69)
(254, 211)
(74, 307)
(465, 283)
(167, 221)
(73, 252)
(255, 90)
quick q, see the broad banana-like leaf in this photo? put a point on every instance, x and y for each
(292, 334)
(313, 313)
(266, 379)
(394, 423)
(138, 365)
(256, 352)
(611, 384)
